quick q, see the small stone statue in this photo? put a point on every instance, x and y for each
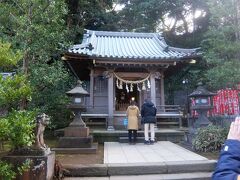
(42, 121)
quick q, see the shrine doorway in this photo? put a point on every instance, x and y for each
(124, 97)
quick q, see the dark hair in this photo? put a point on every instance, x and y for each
(132, 103)
(147, 100)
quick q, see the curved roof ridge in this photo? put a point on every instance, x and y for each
(192, 50)
(129, 45)
(121, 34)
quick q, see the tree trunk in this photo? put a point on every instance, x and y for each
(26, 58)
(236, 3)
(23, 102)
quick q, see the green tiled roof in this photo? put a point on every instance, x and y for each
(129, 45)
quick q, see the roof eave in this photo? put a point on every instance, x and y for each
(70, 55)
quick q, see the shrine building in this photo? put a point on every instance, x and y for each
(118, 67)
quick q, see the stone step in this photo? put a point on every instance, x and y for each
(167, 123)
(125, 139)
(89, 150)
(180, 176)
(205, 166)
(172, 135)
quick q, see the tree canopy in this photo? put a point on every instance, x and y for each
(221, 44)
(38, 29)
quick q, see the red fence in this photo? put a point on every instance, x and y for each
(226, 102)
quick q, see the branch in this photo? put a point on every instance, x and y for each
(20, 7)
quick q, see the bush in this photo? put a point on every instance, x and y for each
(18, 128)
(21, 128)
(6, 171)
(209, 139)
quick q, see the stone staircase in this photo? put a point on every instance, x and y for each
(195, 170)
(168, 161)
(172, 135)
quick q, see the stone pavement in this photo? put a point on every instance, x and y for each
(183, 176)
(163, 160)
(162, 151)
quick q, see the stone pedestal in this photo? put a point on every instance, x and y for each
(76, 140)
(202, 120)
(41, 166)
(76, 131)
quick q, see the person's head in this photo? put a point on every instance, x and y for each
(147, 100)
(132, 103)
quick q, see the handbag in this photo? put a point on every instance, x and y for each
(125, 121)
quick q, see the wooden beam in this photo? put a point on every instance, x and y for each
(141, 75)
(137, 62)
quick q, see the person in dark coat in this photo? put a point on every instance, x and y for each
(228, 166)
(148, 113)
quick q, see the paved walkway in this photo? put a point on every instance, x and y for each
(162, 151)
(185, 176)
(165, 154)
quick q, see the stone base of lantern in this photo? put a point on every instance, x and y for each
(76, 140)
(76, 131)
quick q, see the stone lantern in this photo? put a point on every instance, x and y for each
(203, 103)
(76, 136)
(77, 106)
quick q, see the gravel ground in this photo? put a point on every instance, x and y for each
(82, 158)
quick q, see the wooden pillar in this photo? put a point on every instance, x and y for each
(91, 87)
(162, 102)
(153, 88)
(110, 102)
(153, 91)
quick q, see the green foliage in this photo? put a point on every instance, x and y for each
(25, 166)
(7, 56)
(155, 15)
(222, 43)
(4, 129)
(31, 24)
(17, 126)
(6, 171)
(51, 82)
(20, 128)
(94, 14)
(209, 139)
(13, 89)
(38, 28)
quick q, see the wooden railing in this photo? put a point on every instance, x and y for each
(168, 108)
(123, 107)
(98, 115)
